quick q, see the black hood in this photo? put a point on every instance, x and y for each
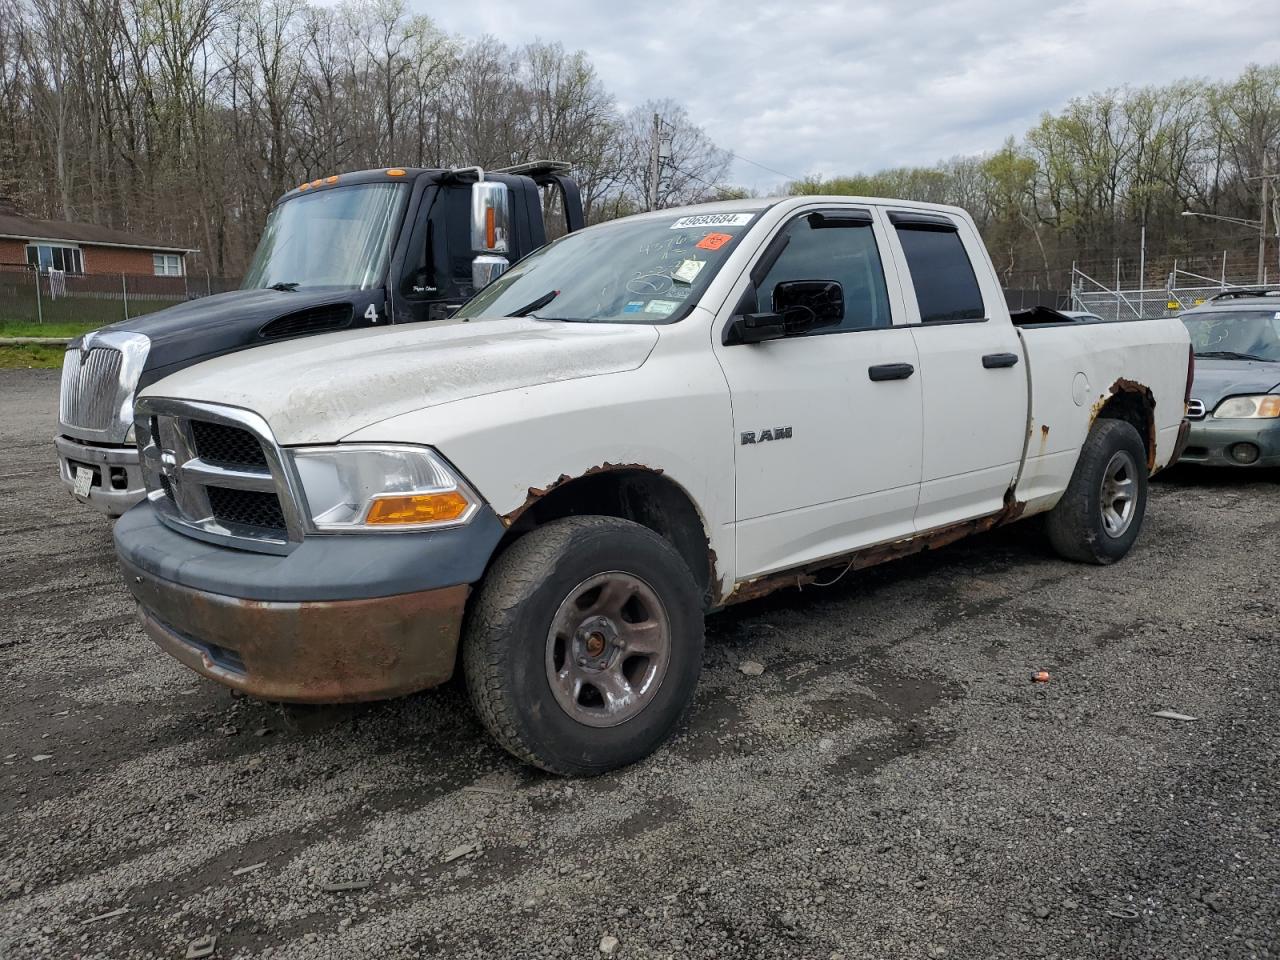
(1217, 379)
(198, 329)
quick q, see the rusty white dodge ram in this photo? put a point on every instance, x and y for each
(636, 425)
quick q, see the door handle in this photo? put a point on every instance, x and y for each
(993, 361)
(890, 371)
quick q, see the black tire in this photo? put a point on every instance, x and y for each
(1077, 526)
(505, 644)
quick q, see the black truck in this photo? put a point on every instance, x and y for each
(394, 245)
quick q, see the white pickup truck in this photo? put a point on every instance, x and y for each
(636, 425)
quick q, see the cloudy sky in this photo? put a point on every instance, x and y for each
(809, 87)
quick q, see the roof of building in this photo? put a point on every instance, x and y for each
(15, 226)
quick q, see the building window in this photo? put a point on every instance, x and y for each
(167, 264)
(48, 256)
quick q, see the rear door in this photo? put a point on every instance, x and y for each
(828, 459)
(972, 369)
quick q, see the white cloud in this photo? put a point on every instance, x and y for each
(811, 87)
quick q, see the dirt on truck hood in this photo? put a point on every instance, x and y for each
(319, 389)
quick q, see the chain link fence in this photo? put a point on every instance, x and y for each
(53, 297)
(1182, 291)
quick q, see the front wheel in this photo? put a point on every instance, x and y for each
(584, 645)
(1099, 517)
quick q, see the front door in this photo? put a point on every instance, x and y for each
(827, 422)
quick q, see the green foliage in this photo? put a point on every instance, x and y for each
(1083, 182)
(9, 328)
(30, 357)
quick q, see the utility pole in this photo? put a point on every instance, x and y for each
(655, 162)
(1266, 179)
(659, 150)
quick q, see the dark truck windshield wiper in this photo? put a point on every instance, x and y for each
(289, 287)
(538, 304)
(1232, 355)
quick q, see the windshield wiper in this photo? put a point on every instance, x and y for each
(289, 287)
(538, 304)
(1232, 355)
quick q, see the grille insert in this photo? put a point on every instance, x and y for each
(1195, 409)
(233, 446)
(248, 508)
(90, 385)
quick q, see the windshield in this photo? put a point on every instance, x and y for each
(647, 270)
(339, 237)
(1235, 334)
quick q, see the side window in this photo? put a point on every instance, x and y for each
(844, 251)
(945, 284)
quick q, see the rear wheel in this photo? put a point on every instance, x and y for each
(1100, 515)
(584, 646)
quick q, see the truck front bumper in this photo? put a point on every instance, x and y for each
(1233, 443)
(117, 475)
(331, 622)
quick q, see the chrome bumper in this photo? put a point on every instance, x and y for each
(117, 480)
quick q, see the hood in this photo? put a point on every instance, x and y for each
(322, 388)
(1217, 379)
(186, 332)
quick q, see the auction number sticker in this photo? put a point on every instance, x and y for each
(713, 220)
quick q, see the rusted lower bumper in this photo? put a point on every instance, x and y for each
(310, 652)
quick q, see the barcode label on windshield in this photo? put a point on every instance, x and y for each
(713, 220)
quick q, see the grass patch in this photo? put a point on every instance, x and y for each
(18, 328)
(27, 356)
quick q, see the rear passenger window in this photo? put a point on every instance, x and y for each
(945, 284)
(843, 250)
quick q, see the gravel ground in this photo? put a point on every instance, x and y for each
(892, 784)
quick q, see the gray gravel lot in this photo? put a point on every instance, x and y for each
(892, 785)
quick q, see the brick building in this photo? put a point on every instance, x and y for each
(83, 249)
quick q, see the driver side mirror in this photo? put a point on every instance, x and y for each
(806, 305)
(490, 231)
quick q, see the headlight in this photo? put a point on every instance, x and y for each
(1249, 408)
(363, 487)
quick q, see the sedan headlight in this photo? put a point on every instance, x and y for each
(1249, 408)
(367, 488)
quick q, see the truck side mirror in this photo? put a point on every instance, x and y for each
(806, 305)
(490, 231)
(755, 328)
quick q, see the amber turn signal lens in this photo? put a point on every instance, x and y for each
(1269, 406)
(417, 508)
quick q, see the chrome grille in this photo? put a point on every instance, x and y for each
(99, 376)
(1195, 409)
(217, 474)
(90, 387)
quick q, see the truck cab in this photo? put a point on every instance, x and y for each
(371, 248)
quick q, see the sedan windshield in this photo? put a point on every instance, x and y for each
(339, 237)
(1235, 334)
(644, 270)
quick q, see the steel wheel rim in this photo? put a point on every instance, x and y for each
(1119, 493)
(608, 649)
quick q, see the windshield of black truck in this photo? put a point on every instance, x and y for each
(630, 271)
(1235, 334)
(335, 237)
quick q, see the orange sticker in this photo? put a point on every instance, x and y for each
(714, 241)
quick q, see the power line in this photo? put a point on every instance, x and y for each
(755, 163)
